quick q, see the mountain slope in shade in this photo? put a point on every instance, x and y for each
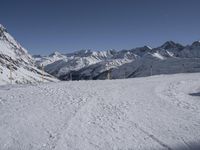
(14, 56)
(169, 58)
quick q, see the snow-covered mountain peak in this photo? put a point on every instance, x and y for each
(81, 53)
(54, 54)
(171, 45)
(13, 54)
(140, 51)
(145, 48)
(196, 44)
(2, 31)
(148, 47)
(10, 47)
(2, 27)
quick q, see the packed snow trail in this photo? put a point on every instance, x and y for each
(159, 112)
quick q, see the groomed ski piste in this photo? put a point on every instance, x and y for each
(158, 112)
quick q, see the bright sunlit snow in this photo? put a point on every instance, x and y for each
(159, 112)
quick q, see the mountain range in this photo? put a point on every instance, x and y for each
(18, 66)
(168, 58)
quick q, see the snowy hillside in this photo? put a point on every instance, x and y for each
(159, 112)
(62, 66)
(169, 58)
(15, 58)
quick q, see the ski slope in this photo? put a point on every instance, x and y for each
(158, 112)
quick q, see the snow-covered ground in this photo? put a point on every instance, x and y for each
(158, 112)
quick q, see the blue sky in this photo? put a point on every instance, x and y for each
(44, 26)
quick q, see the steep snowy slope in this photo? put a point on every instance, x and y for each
(13, 56)
(159, 112)
(169, 58)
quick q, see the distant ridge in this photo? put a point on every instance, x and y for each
(168, 58)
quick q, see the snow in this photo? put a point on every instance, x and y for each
(157, 55)
(149, 47)
(4, 49)
(88, 64)
(12, 53)
(2, 27)
(157, 112)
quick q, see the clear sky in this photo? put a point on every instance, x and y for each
(44, 26)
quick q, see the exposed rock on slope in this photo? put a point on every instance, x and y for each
(13, 56)
(169, 58)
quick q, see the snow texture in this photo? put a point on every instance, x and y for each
(158, 112)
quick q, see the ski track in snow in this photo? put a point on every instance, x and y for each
(142, 113)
